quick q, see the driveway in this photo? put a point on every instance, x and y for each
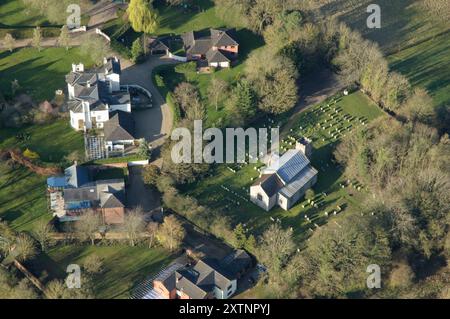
(154, 124)
(140, 195)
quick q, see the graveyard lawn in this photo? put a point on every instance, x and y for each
(227, 190)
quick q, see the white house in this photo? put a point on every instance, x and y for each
(94, 94)
(285, 179)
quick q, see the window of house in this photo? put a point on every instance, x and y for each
(281, 201)
(259, 197)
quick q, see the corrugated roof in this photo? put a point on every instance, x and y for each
(289, 165)
(299, 181)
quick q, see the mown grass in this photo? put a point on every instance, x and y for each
(39, 73)
(124, 266)
(15, 13)
(415, 41)
(51, 141)
(329, 193)
(427, 65)
(177, 20)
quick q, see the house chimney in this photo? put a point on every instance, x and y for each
(116, 59)
(88, 84)
(304, 145)
(105, 60)
(78, 67)
(75, 163)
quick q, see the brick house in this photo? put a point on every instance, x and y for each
(216, 49)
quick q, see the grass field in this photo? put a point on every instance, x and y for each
(124, 267)
(427, 65)
(39, 73)
(178, 20)
(15, 13)
(416, 42)
(329, 194)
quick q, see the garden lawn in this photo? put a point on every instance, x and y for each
(51, 141)
(124, 266)
(23, 200)
(329, 192)
(39, 73)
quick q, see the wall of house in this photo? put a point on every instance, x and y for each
(232, 49)
(221, 294)
(121, 107)
(113, 215)
(74, 118)
(114, 80)
(71, 91)
(221, 64)
(301, 192)
(266, 203)
(284, 202)
(162, 290)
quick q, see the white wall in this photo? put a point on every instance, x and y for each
(266, 203)
(71, 91)
(220, 294)
(121, 107)
(115, 81)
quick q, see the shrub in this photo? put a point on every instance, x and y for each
(137, 51)
(30, 154)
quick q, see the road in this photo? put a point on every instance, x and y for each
(154, 124)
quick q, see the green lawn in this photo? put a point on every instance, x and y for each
(51, 141)
(427, 65)
(178, 20)
(23, 199)
(209, 191)
(124, 267)
(39, 73)
(15, 13)
(417, 44)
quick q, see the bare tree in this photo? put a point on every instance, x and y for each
(171, 233)
(9, 42)
(216, 90)
(275, 246)
(23, 248)
(42, 232)
(88, 226)
(151, 230)
(37, 38)
(63, 40)
(134, 224)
